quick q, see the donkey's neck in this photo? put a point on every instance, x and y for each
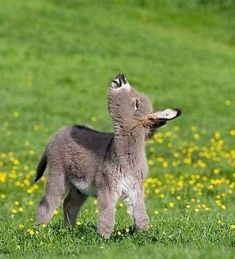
(129, 142)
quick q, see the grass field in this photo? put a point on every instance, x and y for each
(56, 60)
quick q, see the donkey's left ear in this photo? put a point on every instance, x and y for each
(167, 114)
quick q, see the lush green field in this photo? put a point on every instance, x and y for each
(56, 60)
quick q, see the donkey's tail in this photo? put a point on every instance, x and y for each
(41, 167)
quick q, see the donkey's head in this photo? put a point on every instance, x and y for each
(129, 109)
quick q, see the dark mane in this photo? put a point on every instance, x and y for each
(85, 128)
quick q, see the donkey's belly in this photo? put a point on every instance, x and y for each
(85, 188)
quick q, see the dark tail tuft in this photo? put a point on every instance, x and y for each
(41, 167)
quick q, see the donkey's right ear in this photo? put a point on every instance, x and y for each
(165, 115)
(159, 124)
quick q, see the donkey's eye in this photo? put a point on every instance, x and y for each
(137, 104)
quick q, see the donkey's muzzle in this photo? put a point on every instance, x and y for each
(119, 81)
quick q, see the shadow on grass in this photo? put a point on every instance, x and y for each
(88, 234)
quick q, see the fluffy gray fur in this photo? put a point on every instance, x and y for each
(82, 161)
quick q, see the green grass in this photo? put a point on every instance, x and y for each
(56, 60)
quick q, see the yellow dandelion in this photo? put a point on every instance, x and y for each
(150, 162)
(29, 191)
(93, 119)
(20, 209)
(31, 152)
(170, 145)
(217, 135)
(176, 154)
(30, 203)
(187, 160)
(232, 132)
(30, 231)
(3, 177)
(56, 212)
(121, 205)
(196, 136)
(14, 211)
(227, 102)
(37, 127)
(26, 168)
(216, 171)
(165, 164)
(157, 191)
(2, 196)
(232, 226)
(193, 128)
(15, 114)
(16, 162)
(201, 163)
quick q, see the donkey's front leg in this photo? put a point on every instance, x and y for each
(136, 207)
(106, 212)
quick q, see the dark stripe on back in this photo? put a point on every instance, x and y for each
(107, 149)
(85, 128)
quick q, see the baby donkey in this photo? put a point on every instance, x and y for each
(83, 162)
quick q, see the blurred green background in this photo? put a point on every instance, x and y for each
(57, 58)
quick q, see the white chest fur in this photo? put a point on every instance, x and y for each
(128, 186)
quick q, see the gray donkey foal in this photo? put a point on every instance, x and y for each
(82, 161)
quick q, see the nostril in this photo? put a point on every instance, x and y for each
(115, 83)
(122, 78)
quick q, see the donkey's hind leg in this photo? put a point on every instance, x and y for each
(56, 188)
(72, 204)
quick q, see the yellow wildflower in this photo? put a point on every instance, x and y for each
(31, 232)
(227, 102)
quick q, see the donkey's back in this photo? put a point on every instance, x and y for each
(76, 150)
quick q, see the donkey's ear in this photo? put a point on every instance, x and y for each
(167, 114)
(159, 124)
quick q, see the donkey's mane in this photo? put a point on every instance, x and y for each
(85, 128)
